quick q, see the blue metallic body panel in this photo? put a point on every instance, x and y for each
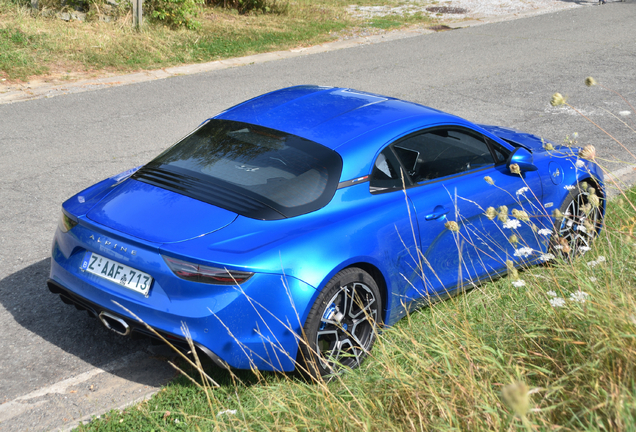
(256, 324)
(157, 215)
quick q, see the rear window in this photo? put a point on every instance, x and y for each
(254, 171)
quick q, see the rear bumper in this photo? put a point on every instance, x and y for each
(252, 326)
(135, 327)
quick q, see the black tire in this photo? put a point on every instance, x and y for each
(342, 324)
(580, 224)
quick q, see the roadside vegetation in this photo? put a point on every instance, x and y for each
(36, 42)
(551, 347)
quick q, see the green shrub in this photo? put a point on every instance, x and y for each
(176, 13)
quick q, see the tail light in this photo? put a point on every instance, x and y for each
(66, 223)
(206, 274)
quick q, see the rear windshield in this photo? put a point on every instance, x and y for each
(254, 171)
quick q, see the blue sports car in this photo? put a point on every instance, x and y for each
(283, 231)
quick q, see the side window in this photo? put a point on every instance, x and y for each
(501, 154)
(386, 172)
(442, 152)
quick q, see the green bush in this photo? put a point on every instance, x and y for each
(176, 13)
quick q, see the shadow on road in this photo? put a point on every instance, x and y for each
(25, 295)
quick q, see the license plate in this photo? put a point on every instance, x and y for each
(116, 272)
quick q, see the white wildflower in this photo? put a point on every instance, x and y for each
(228, 412)
(557, 302)
(568, 187)
(593, 279)
(552, 293)
(522, 191)
(545, 231)
(558, 247)
(599, 260)
(624, 113)
(546, 257)
(519, 283)
(584, 249)
(523, 252)
(580, 164)
(579, 296)
(512, 224)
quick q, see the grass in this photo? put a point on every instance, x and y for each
(33, 45)
(497, 358)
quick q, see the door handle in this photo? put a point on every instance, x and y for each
(438, 212)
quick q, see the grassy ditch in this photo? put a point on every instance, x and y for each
(501, 357)
(32, 44)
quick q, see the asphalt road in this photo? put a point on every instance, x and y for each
(58, 365)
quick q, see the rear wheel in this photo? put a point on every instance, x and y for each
(582, 221)
(342, 325)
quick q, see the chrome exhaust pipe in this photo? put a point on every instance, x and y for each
(116, 324)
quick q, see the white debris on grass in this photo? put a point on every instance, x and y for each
(475, 9)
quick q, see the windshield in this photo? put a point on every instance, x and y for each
(251, 170)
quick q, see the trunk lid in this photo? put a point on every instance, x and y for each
(157, 215)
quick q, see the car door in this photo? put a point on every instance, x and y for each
(452, 176)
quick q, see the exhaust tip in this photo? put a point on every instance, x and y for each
(116, 324)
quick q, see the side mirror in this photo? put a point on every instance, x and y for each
(523, 158)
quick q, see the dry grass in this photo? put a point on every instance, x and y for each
(33, 45)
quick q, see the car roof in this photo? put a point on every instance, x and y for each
(330, 116)
(335, 117)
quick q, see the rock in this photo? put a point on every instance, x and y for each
(65, 16)
(78, 16)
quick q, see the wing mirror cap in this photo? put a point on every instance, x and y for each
(523, 158)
